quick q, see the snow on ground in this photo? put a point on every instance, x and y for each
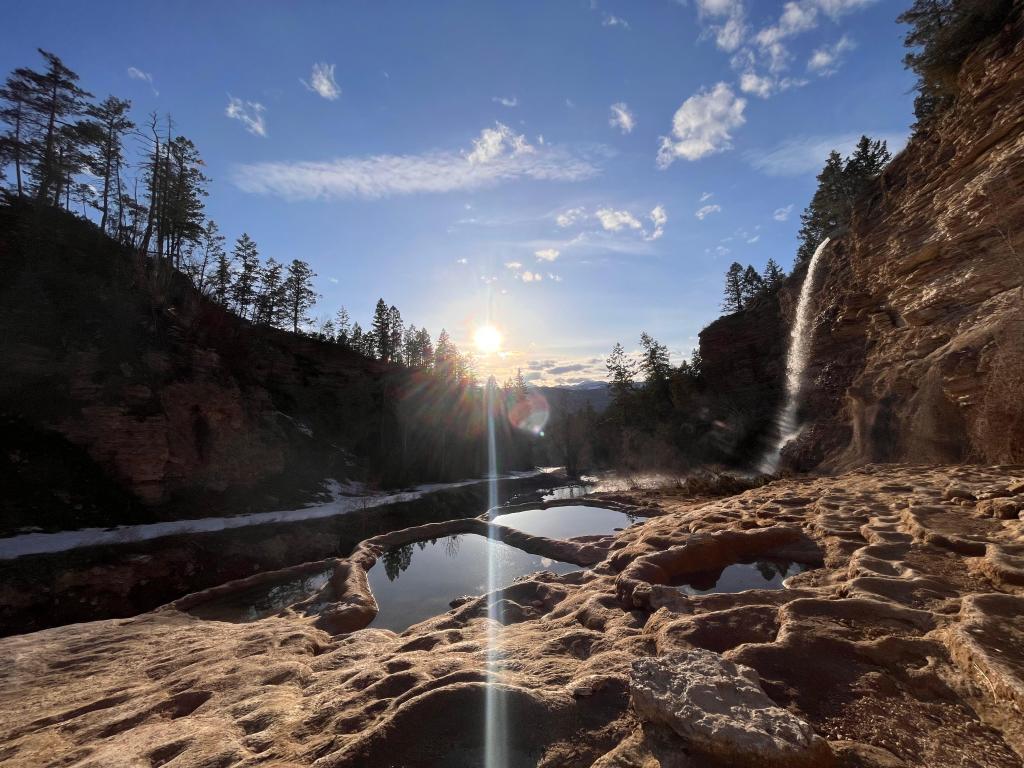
(340, 504)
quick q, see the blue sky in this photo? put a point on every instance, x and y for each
(574, 171)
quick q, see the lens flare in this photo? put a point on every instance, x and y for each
(529, 413)
(487, 339)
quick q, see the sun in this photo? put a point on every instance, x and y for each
(487, 339)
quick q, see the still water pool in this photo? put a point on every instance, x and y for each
(567, 522)
(417, 581)
(262, 600)
(761, 574)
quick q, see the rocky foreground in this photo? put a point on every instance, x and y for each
(905, 648)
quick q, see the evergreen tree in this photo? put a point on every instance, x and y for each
(654, 360)
(942, 34)
(733, 301)
(772, 276)
(621, 370)
(751, 285)
(425, 348)
(381, 329)
(395, 331)
(112, 122)
(696, 367)
(355, 337)
(343, 323)
(299, 296)
(243, 290)
(18, 142)
(445, 356)
(223, 278)
(270, 298)
(411, 354)
(54, 100)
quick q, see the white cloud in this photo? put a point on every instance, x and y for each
(807, 154)
(799, 16)
(547, 254)
(658, 217)
(321, 81)
(825, 61)
(702, 125)
(554, 277)
(531, 277)
(614, 21)
(728, 22)
(506, 101)
(250, 113)
(333, 280)
(705, 196)
(753, 239)
(513, 265)
(764, 86)
(137, 74)
(571, 216)
(612, 220)
(707, 210)
(781, 214)
(498, 155)
(622, 118)
(463, 260)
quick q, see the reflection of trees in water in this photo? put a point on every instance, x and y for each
(770, 570)
(451, 545)
(397, 560)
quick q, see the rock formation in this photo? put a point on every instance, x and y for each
(904, 648)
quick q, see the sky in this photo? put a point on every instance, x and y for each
(573, 172)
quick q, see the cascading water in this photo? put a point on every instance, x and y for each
(796, 364)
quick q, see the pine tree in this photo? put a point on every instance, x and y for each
(343, 323)
(18, 142)
(696, 367)
(733, 301)
(425, 348)
(444, 356)
(355, 337)
(223, 278)
(751, 285)
(111, 117)
(54, 101)
(654, 360)
(621, 370)
(299, 296)
(381, 329)
(270, 299)
(243, 290)
(411, 354)
(772, 276)
(395, 330)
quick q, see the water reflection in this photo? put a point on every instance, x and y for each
(761, 574)
(568, 521)
(417, 581)
(261, 601)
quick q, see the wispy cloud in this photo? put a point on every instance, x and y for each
(825, 61)
(137, 74)
(705, 211)
(610, 20)
(658, 217)
(506, 101)
(782, 214)
(547, 254)
(498, 155)
(569, 217)
(705, 196)
(322, 82)
(249, 113)
(807, 154)
(622, 118)
(726, 21)
(703, 125)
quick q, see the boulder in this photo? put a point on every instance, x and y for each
(720, 709)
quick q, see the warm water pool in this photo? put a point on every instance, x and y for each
(567, 522)
(258, 602)
(761, 574)
(417, 581)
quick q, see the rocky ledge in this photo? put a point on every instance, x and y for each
(904, 647)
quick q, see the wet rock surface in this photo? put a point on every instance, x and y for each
(904, 648)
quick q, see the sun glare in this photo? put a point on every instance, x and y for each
(487, 339)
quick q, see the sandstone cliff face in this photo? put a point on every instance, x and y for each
(919, 340)
(171, 399)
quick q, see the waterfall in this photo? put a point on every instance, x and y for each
(796, 364)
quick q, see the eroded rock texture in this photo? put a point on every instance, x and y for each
(905, 648)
